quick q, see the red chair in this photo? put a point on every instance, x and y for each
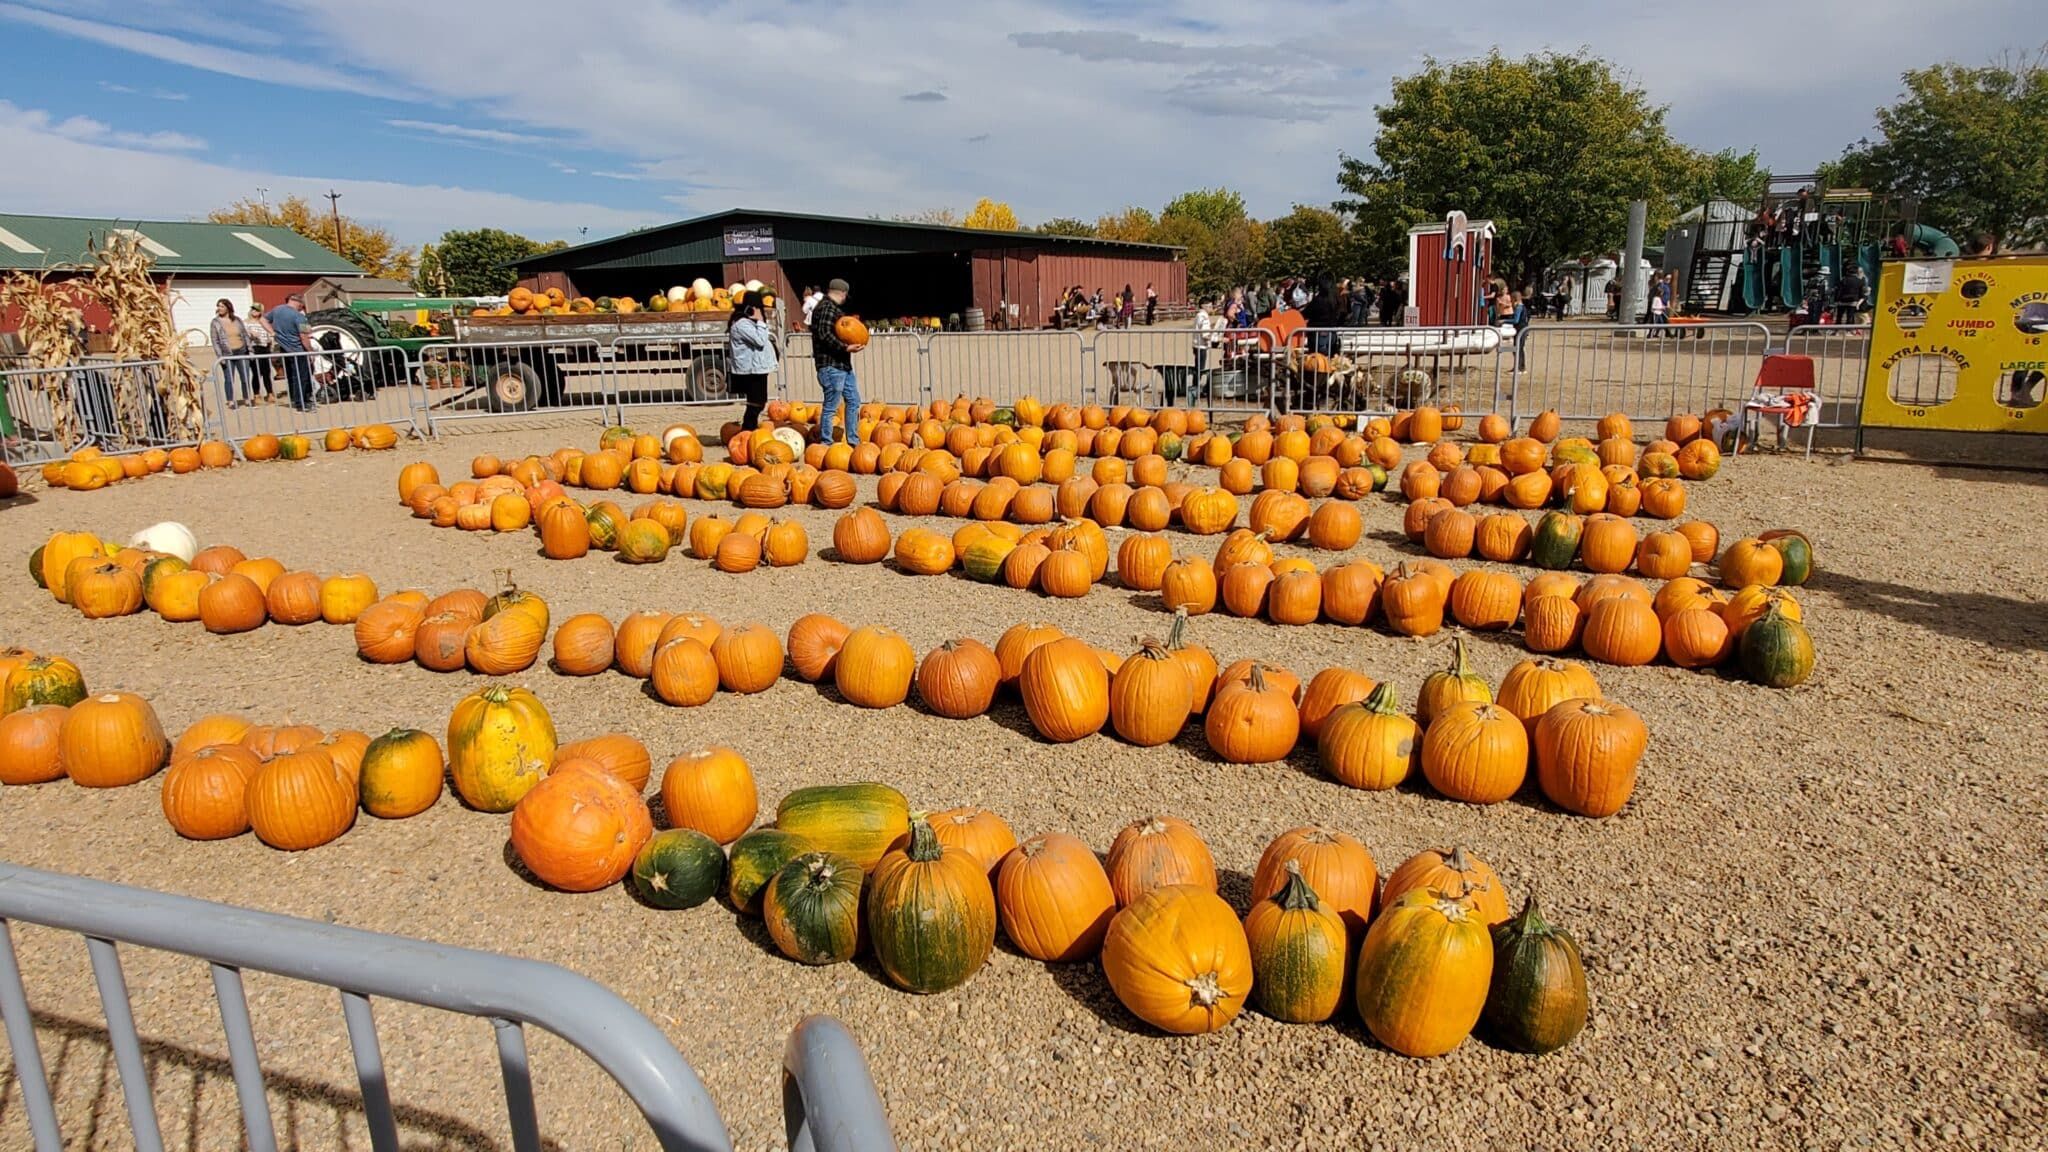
(1790, 382)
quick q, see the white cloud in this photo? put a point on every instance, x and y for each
(85, 129)
(464, 132)
(92, 174)
(286, 68)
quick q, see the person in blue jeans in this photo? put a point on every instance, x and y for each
(288, 328)
(834, 359)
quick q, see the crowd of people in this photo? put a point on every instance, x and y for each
(1080, 309)
(246, 346)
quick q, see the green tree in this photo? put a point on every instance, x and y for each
(1969, 143)
(1225, 246)
(367, 247)
(1065, 226)
(990, 215)
(1551, 147)
(468, 263)
(1309, 241)
(1723, 175)
(1133, 224)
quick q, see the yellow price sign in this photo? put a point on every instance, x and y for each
(1960, 346)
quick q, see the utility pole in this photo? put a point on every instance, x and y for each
(263, 198)
(334, 205)
(1631, 270)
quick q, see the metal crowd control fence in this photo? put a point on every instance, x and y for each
(468, 381)
(890, 370)
(669, 372)
(828, 1097)
(1840, 354)
(253, 395)
(1150, 366)
(1006, 366)
(111, 405)
(1647, 371)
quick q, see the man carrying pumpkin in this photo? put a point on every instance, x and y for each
(834, 358)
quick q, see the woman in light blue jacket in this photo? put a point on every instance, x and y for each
(753, 357)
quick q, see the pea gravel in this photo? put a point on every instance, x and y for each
(1818, 924)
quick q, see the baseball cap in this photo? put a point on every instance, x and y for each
(837, 285)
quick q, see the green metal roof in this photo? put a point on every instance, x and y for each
(807, 236)
(35, 243)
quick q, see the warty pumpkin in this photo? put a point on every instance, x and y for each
(501, 743)
(1298, 953)
(1423, 974)
(1179, 960)
(931, 914)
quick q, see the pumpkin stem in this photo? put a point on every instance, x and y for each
(1176, 636)
(1205, 990)
(1298, 894)
(1152, 649)
(1460, 666)
(1530, 921)
(924, 843)
(1257, 678)
(1382, 700)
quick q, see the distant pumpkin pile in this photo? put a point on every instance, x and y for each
(90, 469)
(700, 296)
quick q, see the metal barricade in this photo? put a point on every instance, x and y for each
(669, 372)
(890, 370)
(1646, 371)
(310, 392)
(1382, 370)
(1154, 367)
(115, 406)
(828, 1095)
(1841, 355)
(471, 381)
(1007, 366)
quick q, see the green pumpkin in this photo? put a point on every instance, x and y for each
(294, 447)
(860, 821)
(35, 567)
(1171, 446)
(678, 868)
(43, 680)
(1798, 553)
(1575, 450)
(1298, 952)
(647, 543)
(604, 527)
(756, 858)
(1379, 476)
(812, 908)
(983, 559)
(1005, 417)
(1556, 543)
(155, 571)
(613, 436)
(1537, 999)
(931, 914)
(1776, 650)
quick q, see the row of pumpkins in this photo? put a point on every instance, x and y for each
(848, 865)
(89, 469)
(700, 296)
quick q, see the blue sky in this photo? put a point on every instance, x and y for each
(566, 120)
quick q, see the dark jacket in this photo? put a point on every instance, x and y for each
(827, 349)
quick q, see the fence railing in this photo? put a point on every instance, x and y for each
(311, 392)
(1647, 371)
(827, 1095)
(116, 406)
(1840, 354)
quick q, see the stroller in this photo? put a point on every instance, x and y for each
(346, 375)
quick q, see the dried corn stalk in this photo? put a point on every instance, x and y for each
(142, 329)
(50, 322)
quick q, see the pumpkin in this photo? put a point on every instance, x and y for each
(1252, 721)
(1533, 687)
(860, 821)
(102, 589)
(1178, 960)
(1142, 560)
(812, 908)
(931, 914)
(1054, 898)
(345, 598)
(1369, 744)
(1156, 852)
(749, 659)
(874, 669)
(755, 859)
(1486, 601)
(564, 531)
(1697, 637)
(635, 643)
(400, 774)
(1189, 586)
(1455, 684)
(206, 795)
(1607, 544)
(1586, 755)
(1478, 753)
(1298, 953)
(501, 742)
(580, 829)
(1065, 690)
(684, 673)
(1536, 999)
(234, 603)
(959, 679)
(1776, 651)
(1456, 874)
(505, 643)
(269, 743)
(1335, 865)
(678, 868)
(1699, 460)
(1622, 630)
(209, 731)
(583, 645)
(1330, 689)
(300, 800)
(710, 791)
(1423, 974)
(57, 555)
(1351, 592)
(1412, 601)
(41, 680)
(1796, 552)
(1208, 511)
(1150, 697)
(1555, 542)
(814, 643)
(31, 748)
(111, 741)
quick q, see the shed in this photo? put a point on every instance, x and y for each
(196, 263)
(1447, 277)
(897, 269)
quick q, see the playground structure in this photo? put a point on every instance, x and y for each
(1787, 252)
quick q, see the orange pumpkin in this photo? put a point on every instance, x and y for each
(579, 829)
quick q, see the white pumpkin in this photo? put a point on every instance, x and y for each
(700, 289)
(678, 294)
(791, 437)
(673, 432)
(170, 538)
(754, 286)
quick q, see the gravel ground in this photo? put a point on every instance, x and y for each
(1801, 933)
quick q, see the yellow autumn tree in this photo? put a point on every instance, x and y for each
(992, 216)
(367, 247)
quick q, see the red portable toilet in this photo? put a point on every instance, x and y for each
(1449, 267)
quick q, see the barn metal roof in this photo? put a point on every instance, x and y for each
(807, 236)
(36, 243)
